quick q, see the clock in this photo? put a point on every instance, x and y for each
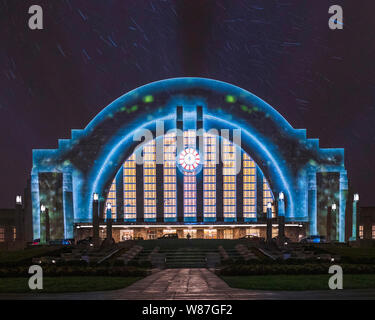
(189, 159)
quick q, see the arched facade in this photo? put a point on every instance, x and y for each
(65, 179)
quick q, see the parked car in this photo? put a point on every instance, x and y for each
(313, 239)
(169, 236)
(285, 239)
(61, 242)
(87, 241)
(252, 238)
(35, 242)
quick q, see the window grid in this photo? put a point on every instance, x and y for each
(111, 198)
(209, 185)
(209, 176)
(249, 187)
(268, 197)
(360, 232)
(190, 181)
(229, 180)
(130, 199)
(169, 171)
(149, 180)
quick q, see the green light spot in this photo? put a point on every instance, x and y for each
(230, 99)
(123, 109)
(148, 99)
(134, 108)
(244, 108)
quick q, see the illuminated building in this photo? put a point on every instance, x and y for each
(212, 158)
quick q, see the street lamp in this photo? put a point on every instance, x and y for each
(354, 217)
(334, 206)
(43, 208)
(96, 197)
(281, 195)
(109, 206)
(269, 205)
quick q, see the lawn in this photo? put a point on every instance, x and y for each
(298, 282)
(67, 284)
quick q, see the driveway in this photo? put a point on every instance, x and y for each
(193, 284)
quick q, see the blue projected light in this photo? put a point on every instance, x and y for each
(94, 155)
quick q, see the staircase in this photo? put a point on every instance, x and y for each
(181, 258)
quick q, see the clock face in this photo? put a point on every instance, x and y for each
(189, 159)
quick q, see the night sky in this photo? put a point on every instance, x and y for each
(93, 51)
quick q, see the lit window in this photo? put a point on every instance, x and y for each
(149, 180)
(267, 197)
(2, 234)
(210, 233)
(360, 232)
(229, 180)
(373, 231)
(130, 186)
(170, 175)
(190, 180)
(249, 187)
(112, 199)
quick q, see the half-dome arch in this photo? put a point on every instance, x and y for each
(93, 155)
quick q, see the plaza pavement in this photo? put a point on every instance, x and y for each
(192, 284)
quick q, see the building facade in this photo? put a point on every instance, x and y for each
(189, 156)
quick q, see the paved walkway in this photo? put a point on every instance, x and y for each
(193, 284)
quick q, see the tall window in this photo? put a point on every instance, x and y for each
(190, 180)
(169, 170)
(373, 231)
(360, 232)
(2, 234)
(112, 199)
(149, 180)
(209, 176)
(130, 188)
(249, 187)
(229, 180)
(268, 197)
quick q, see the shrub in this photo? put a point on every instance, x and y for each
(316, 268)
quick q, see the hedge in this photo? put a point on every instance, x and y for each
(57, 271)
(265, 269)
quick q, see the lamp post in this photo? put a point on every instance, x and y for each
(355, 213)
(335, 222)
(95, 220)
(269, 222)
(45, 213)
(19, 219)
(331, 218)
(109, 222)
(281, 216)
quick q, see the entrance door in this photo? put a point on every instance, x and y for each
(126, 235)
(210, 233)
(192, 232)
(228, 234)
